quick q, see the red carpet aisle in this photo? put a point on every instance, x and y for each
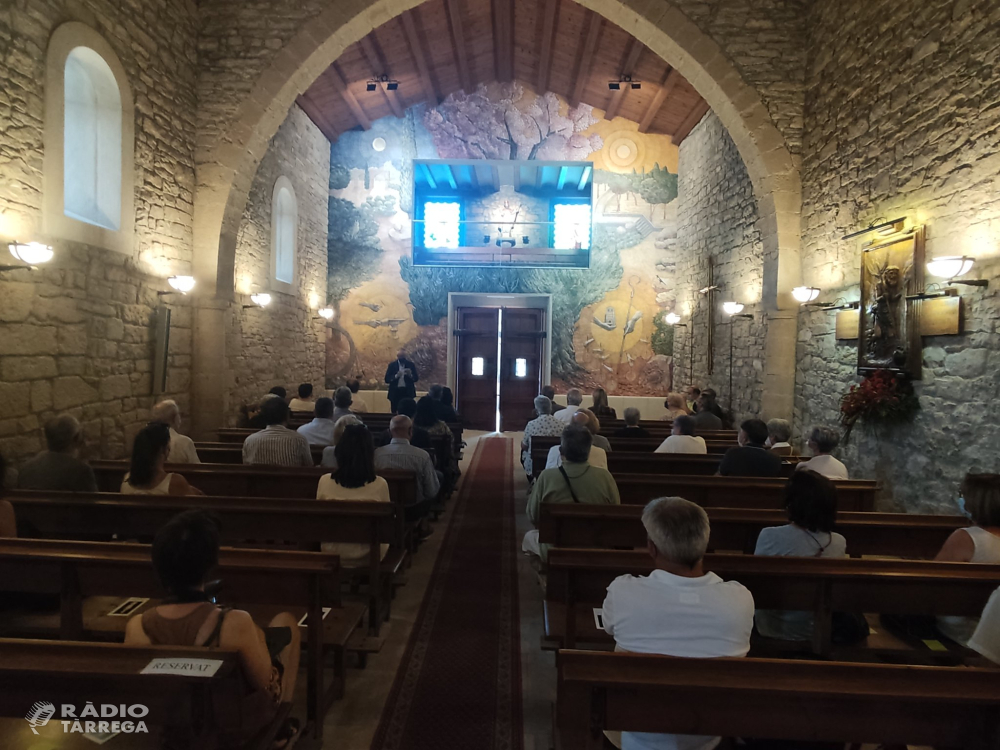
(459, 684)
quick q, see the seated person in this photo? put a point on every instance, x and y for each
(426, 417)
(343, 400)
(600, 407)
(691, 397)
(705, 418)
(182, 450)
(399, 454)
(980, 543)
(59, 469)
(678, 609)
(276, 445)
(8, 525)
(544, 425)
(575, 481)
(573, 400)
(357, 405)
(779, 431)
(447, 407)
(682, 438)
(329, 459)
(305, 401)
(184, 551)
(254, 418)
(598, 454)
(354, 479)
(146, 475)
(550, 393)
(986, 639)
(675, 406)
(811, 504)
(822, 441)
(751, 458)
(320, 430)
(632, 428)
(408, 408)
(443, 411)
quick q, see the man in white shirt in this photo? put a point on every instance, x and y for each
(682, 438)
(305, 401)
(182, 450)
(986, 639)
(678, 609)
(573, 400)
(320, 430)
(822, 441)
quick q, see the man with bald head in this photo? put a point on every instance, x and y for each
(182, 449)
(59, 469)
(401, 376)
(399, 454)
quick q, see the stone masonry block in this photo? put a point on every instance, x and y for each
(21, 339)
(27, 368)
(72, 391)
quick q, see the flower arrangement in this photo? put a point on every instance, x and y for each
(882, 399)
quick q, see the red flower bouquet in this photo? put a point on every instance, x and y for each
(882, 399)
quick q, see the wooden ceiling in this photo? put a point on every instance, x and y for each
(443, 46)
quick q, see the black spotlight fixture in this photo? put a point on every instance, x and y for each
(624, 79)
(614, 85)
(372, 85)
(389, 83)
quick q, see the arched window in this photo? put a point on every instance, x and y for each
(92, 141)
(284, 233)
(89, 141)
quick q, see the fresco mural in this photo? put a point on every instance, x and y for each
(607, 320)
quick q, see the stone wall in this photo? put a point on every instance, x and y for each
(283, 344)
(77, 336)
(718, 219)
(902, 119)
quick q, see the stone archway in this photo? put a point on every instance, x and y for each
(226, 167)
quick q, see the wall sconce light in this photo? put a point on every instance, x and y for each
(881, 226)
(732, 308)
(259, 299)
(326, 313)
(31, 253)
(950, 267)
(182, 284)
(671, 318)
(805, 294)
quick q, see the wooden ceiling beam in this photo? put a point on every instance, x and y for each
(635, 49)
(545, 51)
(585, 57)
(503, 40)
(667, 86)
(692, 119)
(315, 113)
(419, 56)
(333, 76)
(458, 44)
(376, 61)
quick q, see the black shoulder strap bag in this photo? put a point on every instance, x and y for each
(570, 486)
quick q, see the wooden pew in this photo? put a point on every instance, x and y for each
(67, 672)
(853, 495)
(736, 529)
(627, 445)
(104, 516)
(774, 699)
(578, 580)
(375, 425)
(300, 581)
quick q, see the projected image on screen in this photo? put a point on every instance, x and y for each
(530, 214)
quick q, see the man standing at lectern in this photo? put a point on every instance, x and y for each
(401, 375)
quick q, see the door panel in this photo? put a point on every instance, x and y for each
(476, 384)
(521, 365)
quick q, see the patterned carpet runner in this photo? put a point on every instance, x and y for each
(459, 684)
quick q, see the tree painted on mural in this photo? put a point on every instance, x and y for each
(484, 125)
(353, 247)
(619, 183)
(662, 340)
(657, 187)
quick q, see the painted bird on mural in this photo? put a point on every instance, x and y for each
(371, 306)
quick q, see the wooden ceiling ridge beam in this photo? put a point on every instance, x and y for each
(692, 119)
(419, 56)
(333, 75)
(667, 86)
(585, 57)
(503, 40)
(458, 44)
(548, 38)
(376, 61)
(635, 49)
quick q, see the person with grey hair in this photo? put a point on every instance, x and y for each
(329, 459)
(779, 431)
(545, 424)
(682, 438)
(600, 446)
(822, 442)
(575, 481)
(678, 609)
(182, 450)
(59, 469)
(632, 429)
(342, 400)
(574, 398)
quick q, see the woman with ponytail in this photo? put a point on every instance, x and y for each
(147, 475)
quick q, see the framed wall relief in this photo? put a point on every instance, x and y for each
(889, 324)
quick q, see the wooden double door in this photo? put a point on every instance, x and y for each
(499, 365)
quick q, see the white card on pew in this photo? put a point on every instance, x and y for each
(302, 622)
(189, 667)
(599, 618)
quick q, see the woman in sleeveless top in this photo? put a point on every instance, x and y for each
(184, 551)
(601, 408)
(146, 474)
(980, 543)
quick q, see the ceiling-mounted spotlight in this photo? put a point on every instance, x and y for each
(371, 86)
(624, 79)
(389, 83)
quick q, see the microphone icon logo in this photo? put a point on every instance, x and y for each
(39, 714)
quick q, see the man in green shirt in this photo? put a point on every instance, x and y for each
(576, 481)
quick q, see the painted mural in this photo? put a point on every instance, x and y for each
(608, 325)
